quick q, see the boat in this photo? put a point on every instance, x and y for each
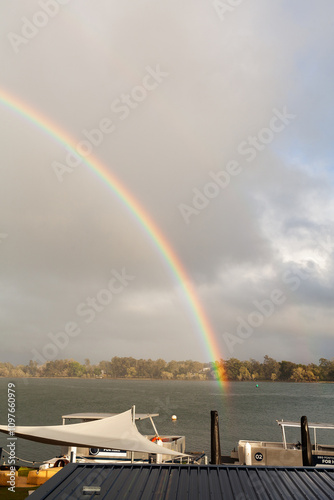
(107, 438)
(115, 455)
(284, 453)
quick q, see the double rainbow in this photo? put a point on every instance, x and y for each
(152, 230)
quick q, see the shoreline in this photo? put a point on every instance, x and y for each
(171, 380)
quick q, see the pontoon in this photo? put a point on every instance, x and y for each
(285, 453)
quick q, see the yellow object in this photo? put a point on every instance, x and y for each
(6, 476)
(39, 477)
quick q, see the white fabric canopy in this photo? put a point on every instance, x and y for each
(118, 432)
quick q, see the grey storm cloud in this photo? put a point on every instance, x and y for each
(218, 122)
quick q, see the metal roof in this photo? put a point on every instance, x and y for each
(187, 482)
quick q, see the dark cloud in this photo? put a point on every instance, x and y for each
(188, 95)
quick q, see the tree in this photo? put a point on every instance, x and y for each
(131, 372)
(75, 369)
(309, 376)
(325, 366)
(33, 368)
(4, 370)
(128, 367)
(232, 368)
(117, 368)
(172, 367)
(330, 374)
(270, 366)
(286, 369)
(298, 374)
(315, 369)
(255, 369)
(160, 365)
(244, 374)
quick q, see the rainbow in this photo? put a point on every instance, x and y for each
(152, 230)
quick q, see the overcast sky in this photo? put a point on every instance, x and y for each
(218, 119)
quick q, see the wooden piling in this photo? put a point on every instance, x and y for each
(306, 442)
(215, 439)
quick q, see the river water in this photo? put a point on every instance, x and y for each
(245, 411)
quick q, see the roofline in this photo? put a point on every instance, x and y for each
(314, 425)
(99, 416)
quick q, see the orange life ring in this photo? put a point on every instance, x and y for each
(156, 438)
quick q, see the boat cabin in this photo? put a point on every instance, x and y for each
(286, 453)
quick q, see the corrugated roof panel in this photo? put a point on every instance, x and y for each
(139, 483)
(171, 484)
(122, 482)
(205, 482)
(183, 482)
(313, 485)
(324, 483)
(152, 483)
(270, 485)
(283, 482)
(238, 490)
(305, 484)
(67, 485)
(188, 482)
(298, 484)
(161, 483)
(249, 487)
(225, 486)
(261, 485)
(192, 484)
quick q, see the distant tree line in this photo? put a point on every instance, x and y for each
(270, 369)
(130, 368)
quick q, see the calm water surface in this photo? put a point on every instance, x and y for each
(245, 411)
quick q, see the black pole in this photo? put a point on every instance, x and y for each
(306, 442)
(215, 440)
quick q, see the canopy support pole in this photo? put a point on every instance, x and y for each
(133, 411)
